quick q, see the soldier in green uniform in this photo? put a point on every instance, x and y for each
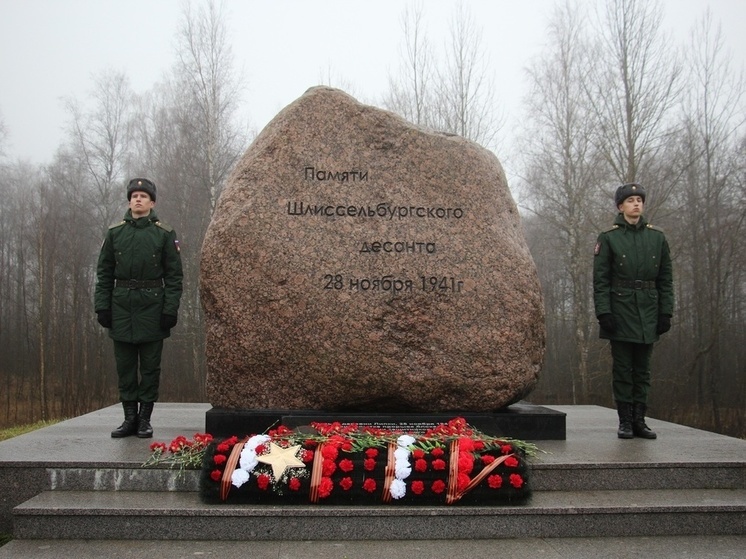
(633, 296)
(138, 289)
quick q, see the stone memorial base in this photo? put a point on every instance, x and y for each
(519, 421)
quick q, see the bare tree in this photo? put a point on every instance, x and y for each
(100, 138)
(562, 186)
(205, 70)
(464, 92)
(633, 88)
(3, 135)
(410, 92)
(711, 193)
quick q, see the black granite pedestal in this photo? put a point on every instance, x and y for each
(519, 421)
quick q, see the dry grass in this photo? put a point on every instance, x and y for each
(11, 432)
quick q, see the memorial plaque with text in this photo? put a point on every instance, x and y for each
(357, 262)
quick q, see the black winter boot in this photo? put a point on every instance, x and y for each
(624, 409)
(144, 430)
(638, 423)
(129, 427)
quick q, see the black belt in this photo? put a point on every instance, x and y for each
(138, 284)
(633, 284)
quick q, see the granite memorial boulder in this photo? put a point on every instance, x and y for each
(357, 262)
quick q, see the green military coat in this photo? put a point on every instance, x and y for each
(633, 280)
(139, 249)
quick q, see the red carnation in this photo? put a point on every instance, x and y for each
(369, 464)
(487, 459)
(439, 464)
(511, 462)
(371, 452)
(418, 453)
(158, 446)
(220, 459)
(462, 481)
(495, 481)
(262, 481)
(307, 455)
(438, 486)
(294, 484)
(346, 465)
(216, 475)
(437, 452)
(328, 467)
(506, 449)
(223, 447)
(420, 465)
(516, 481)
(465, 462)
(465, 444)
(418, 487)
(346, 483)
(325, 487)
(369, 485)
(329, 452)
(479, 446)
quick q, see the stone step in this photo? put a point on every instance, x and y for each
(659, 547)
(544, 477)
(133, 515)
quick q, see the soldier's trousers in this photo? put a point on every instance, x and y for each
(631, 371)
(139, 370)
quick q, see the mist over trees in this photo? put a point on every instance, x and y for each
(610, 99)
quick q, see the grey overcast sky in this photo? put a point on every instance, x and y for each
(50, 49)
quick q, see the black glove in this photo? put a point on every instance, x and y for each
(606, 322)
(168, 321)
(664, 324)
(104, 318)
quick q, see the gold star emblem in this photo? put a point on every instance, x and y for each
(281, 459)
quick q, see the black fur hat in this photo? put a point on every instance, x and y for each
(627, 190)
(141, 185)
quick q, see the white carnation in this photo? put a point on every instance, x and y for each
(402, 470)
(248, 460)
(398, 489)
(239, 477)
(401, 454)
(255, 441)
(405, 440)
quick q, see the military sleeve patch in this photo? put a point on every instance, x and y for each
(177, 245)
